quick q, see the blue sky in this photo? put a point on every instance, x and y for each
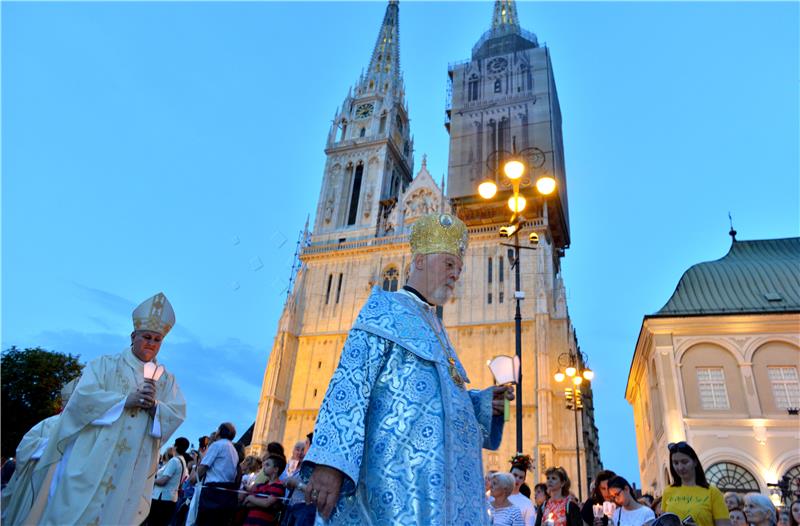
(179, 147)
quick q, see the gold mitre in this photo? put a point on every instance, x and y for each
(437, 234)
(154, 314)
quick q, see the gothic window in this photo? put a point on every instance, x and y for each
(785, 386)
(473, 88)
(390, 279)
(399, 122)
(371, 84)
(728, 476)
(500, 276)
(328, 289)
(344, 130)
(406, 149)
(382, 127)
(355, 195)
(363, 132)
(339, 288)
(498, 86)
(713, 391)
(489, 273)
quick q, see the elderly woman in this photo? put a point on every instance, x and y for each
(737, 517)
(759, 510)
(504, 513)
(733, 501)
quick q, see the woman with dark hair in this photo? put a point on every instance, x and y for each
(691, 496)
(794, 513)
(599, 496)
(629, 512)
(559, 510)
(539, 499)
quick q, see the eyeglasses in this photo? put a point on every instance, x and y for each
(675, 446)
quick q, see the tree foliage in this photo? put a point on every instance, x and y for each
(31, 389)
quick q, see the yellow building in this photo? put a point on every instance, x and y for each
(717, 367)
(368, 201)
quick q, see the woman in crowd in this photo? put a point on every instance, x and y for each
(794, 515)
(629, 512)
(599, 496)
(759, 510)
(734, 501)
(691, 496)
(504, 512)
(265, 510)
(784, 518)
(737, 517)
(519, 470)
(539, 499)
(558, 510)
(251, 467)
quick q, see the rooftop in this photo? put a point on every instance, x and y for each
(757, 276)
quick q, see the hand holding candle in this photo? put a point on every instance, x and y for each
(505, 370)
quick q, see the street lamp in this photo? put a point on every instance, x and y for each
(514, 166)
(574, 368)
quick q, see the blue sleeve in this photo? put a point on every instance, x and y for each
(491, 426)
(341, 424)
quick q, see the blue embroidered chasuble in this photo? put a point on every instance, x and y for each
(407, 437)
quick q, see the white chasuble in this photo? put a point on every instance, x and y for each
(107, 455)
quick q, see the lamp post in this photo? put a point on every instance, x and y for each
(515, 165)
(574, 373)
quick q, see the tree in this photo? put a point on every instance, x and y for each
(31, 389)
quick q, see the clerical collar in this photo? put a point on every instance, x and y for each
(417, 293)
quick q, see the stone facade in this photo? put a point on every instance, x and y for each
(343, 260)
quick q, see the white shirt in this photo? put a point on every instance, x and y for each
(174, 469)
(221, 460)
(637, 517)
(525, 507)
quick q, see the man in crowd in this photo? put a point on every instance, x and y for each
(298, 513)
(111, 430)
(219, 472)
(398, 437)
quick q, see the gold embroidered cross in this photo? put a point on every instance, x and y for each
(107, 485)
(122, 447)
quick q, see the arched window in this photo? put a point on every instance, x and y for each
(794, 480)
(344, 130)
(399, 122)
(355, 195)
(363, 132)
(473, 87)
(498, 86)
(382, 127)
(390, 277)
(728, 476)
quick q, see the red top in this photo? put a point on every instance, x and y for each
(266, 516)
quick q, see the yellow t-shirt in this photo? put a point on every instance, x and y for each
(704, 505)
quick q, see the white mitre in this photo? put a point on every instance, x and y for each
(154, 314)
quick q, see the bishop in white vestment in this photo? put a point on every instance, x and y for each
(107, 439)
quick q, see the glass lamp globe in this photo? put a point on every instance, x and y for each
(516, 203)
(559, 376)
(514, 169)
(588, 374)
(571, 371)
(546, 185)
(487, 189)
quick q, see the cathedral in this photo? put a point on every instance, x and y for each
(502, 98)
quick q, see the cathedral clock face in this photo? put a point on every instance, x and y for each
(363, 111)
(496, 65)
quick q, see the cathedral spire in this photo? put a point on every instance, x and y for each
(505, 15)
(383, 73)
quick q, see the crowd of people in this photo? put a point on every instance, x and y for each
(217, 484)
(688, 501)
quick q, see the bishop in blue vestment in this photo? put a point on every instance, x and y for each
(398, 438)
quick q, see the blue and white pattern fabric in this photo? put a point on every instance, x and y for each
(406, 436)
